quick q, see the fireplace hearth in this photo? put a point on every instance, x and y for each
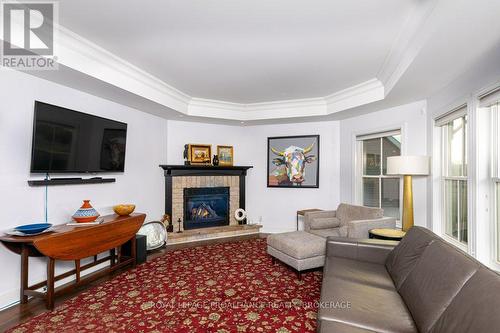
(206, 207)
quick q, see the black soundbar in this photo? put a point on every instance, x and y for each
(70, 181)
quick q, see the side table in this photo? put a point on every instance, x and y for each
(387, 234)
(303, 213)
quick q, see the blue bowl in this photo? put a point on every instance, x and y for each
(33, 228)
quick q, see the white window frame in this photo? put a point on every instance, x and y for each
(442, 123)
(359, 167)
(487, 108)
(494, 109)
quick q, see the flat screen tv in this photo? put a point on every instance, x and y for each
(67, 141)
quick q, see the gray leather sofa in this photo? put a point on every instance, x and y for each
(347, 221)
(421, 285)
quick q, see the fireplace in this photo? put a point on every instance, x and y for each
(206, 207)
(180, 177)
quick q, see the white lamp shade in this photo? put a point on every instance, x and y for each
(408, 165)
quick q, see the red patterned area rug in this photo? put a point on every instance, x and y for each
(228, 287)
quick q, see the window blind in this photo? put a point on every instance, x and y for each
(450, 116)
(378, 135)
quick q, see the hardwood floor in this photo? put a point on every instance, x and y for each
(19, 313)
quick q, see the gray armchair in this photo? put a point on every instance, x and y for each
(347, 221)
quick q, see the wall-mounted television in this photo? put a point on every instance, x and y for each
(68, 141)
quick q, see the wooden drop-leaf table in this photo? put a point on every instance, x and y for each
(75, 243)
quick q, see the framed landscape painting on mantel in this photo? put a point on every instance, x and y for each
(226, 155)
(199, 154)
(293, 161)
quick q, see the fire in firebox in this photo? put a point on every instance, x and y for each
(206, 207)
(203, 211)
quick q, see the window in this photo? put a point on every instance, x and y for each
(376, 188)
(454, 174)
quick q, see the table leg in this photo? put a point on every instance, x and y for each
(50, 283)
(119, 256)
(133, 250)
(78, 270)
(24, 273)
(112, 253)
(297, 222)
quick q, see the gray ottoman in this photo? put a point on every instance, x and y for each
(299, 249)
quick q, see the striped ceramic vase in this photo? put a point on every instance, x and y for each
(86, 213)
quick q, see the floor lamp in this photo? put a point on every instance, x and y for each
(408, 166)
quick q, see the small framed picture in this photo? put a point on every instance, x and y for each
(225, 154)
(200, 154)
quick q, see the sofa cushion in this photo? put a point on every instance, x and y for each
(347, 213)
(324, 223)
(335, 232)
(475, 308)
(403, 258)
(359, 271)
(439, 274)
(364, 306)
(298, 244)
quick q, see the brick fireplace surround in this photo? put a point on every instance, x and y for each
(178, 177)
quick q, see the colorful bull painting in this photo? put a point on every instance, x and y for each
(289, 166)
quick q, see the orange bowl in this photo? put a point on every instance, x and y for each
(124, 210)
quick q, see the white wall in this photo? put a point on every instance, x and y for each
(274, 208)
(180, 133)
(411, 119)
(278, 206)
(141, 183)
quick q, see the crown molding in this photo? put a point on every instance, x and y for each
(200, 107)
(208, 108)
(86, 57)
(408, 44)
(364, 93)
(367, 92)
(308, 107)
